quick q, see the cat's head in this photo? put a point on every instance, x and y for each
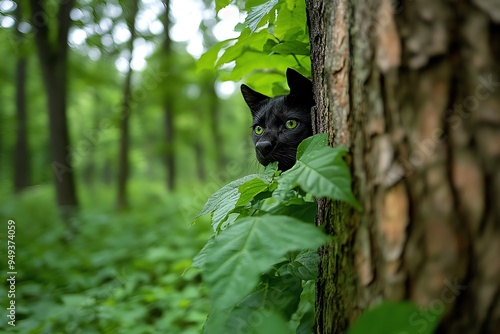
(281, 123)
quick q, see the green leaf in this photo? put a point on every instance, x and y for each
(258, 13)
(269, 322)
(281, 293)
(208, 59)
(250, 189)
(248, 248)
(200, 259)
(219, 4)
(306, 323)
(312, 144)
(319, 170)
(291, 18)
(305, 266)
(245, 41)
(395, 318)
(292, 47)
(226, 199)
(296, 208)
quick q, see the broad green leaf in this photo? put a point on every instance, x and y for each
(246, 41)
(395, 318)
(226, 199)
(257, 13)
(281, 293)
(312, 144)
(320, 171)
(290, 19)
(250, 189)
(219, 4)
(200, 259)
(305, 266)
(268, 46)
(290, 4)
(208, 59)
(252, 60)
(292, 47)
(306, 323)
(296, 208)
(268, 322)
(248, 248)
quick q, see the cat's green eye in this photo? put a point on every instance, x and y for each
(258, 129)
(291, 124)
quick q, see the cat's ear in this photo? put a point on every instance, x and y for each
(252, 98)
(300, 87)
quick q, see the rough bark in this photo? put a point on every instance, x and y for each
(21, 151)
(168, 107)
(53, 57)
(413, 90)
(123, 160)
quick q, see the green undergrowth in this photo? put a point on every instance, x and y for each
(121, 273)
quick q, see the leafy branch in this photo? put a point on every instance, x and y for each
(264, 235)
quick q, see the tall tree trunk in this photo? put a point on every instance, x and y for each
(168, 106)
(123, 160)
(21, 152)
(53, 59)
(414, 92)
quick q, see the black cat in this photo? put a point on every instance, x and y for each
(281, 123)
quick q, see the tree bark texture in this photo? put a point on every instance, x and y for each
(123, 160)
(53, 55)
(412, 88)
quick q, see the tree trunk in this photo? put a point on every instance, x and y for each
(123, 160)
(53, 60)
(414, 92)
(168, 106)
(21, 152)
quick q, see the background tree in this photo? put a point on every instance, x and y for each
(131, 11)
(413, 90)
(21, 151)
(53, 57)
(168, 104)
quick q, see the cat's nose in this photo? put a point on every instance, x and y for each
(264, 147)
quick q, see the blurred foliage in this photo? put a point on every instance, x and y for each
(273, 38)
(123, 273)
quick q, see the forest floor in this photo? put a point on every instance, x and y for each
(123, 272)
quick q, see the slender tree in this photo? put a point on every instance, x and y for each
(168, 105)
(52, 50)
(414, 92)
(21, 151)
(123, 161)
